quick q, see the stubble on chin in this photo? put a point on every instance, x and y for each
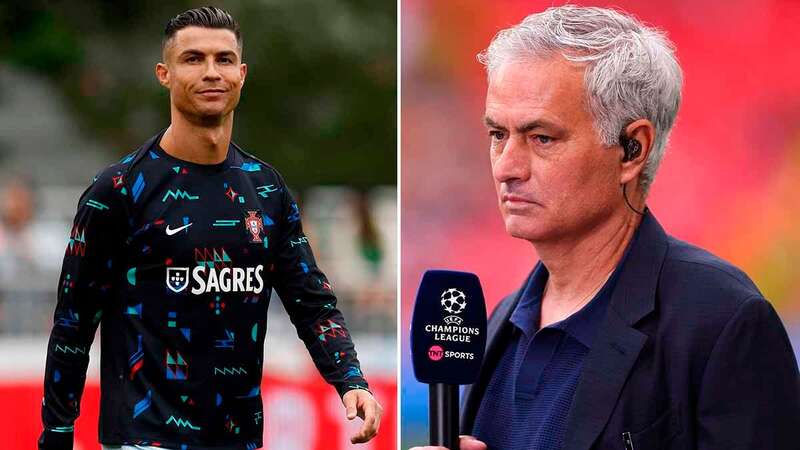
(206, 116)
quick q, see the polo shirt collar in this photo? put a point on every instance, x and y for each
(583, 324)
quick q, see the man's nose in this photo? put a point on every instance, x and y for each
(513, 162)
(211, 71)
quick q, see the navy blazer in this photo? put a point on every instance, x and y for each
(689, 356)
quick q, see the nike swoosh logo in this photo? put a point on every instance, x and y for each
(171, 232)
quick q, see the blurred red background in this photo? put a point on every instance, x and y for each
(729, 181)
(299, 413)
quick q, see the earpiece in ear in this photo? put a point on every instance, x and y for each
(631, 147)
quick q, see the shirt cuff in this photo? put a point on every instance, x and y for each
(350, 386)
(56, 438)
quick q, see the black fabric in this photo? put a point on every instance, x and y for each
(181, 366)
(689, 355)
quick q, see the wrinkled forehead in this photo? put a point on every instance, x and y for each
(205, 40)
(529, 86)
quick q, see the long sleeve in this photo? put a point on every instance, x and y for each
(750, 396)
(86, 283)
(311, 304)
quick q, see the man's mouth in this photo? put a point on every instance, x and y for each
(517, 199)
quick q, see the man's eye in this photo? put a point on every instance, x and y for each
(192, 59)
(543, 139)
(225, 60)
(497, 135)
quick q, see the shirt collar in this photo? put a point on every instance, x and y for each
(581, 325)
(232, 158)
(528, 309)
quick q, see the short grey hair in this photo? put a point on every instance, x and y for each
(631, 69)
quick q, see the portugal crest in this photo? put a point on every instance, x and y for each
(177, 278)
(254, 225)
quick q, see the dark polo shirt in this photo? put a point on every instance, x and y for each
(528, 398)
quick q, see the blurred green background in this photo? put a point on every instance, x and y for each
(319, 102)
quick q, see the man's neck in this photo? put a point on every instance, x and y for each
(197, 142)
(577, 264)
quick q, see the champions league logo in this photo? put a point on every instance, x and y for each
(453, 302)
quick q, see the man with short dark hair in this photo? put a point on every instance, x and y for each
(176, 249)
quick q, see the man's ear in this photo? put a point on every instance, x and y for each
(243, 72)
(162, 74)
(644, 132)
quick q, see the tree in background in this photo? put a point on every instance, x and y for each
(319, 101)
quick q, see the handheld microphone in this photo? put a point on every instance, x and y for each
(448, 339)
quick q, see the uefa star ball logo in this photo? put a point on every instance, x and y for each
(453, 302)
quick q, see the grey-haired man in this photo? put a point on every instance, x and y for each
(622, 337)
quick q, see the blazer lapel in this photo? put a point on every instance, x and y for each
(618, 343)
(604, 372)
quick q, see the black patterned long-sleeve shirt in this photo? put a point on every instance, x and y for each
(177, 261)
